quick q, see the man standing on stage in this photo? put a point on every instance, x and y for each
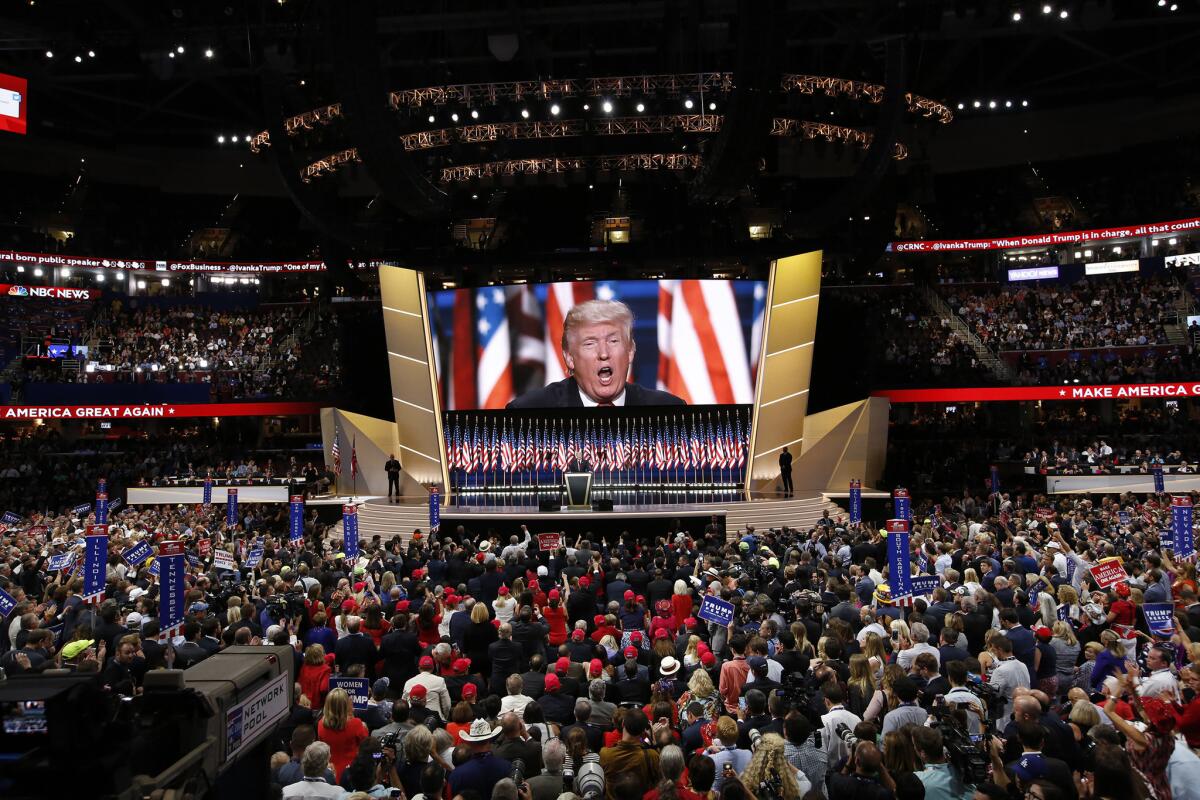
(393, 472)
(785, 472)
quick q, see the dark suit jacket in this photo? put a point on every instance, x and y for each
(356, 649)
(189, 653)
(565, 394)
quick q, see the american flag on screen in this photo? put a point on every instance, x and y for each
(494, 376)
(699, 360)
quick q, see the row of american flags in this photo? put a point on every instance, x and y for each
(656, 447)
(497, 342)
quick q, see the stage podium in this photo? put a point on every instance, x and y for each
(579, 489)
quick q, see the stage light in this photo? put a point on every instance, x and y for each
(78, 59)
(1162, 3)
(960, 106)
(431, 118)
(165, 281)
(524, 113)
(474, 197)
(454, 117)
(1077, 254)
(1116, 249)
(474, 113)
(1046, 9)
(587, 107)
(302, 82)
(1024, 104)
(49, 54)
(554, 109)
(1087, 253)
(640, 107)
(20, 268)
(209, 54)
(1016, 16)
(991, 104)
(171, 54)
(1008, 103)
(591, 186)
(1064, 14)
(99, 277)
(141, 284)
(1174, 6)
(37, 272)
(65, 272)
(688, 103)
(1172, 241)
(91, 53)
(221, 139)
(976, 104)
(712, 106)
(179, 49)
(608, 107)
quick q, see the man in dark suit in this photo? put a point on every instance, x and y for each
(190, 652)
(598, 349)
(785, 472)
(356, 648)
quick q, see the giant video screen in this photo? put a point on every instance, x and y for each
(598, 343)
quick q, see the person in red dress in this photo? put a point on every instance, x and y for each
(341, 730)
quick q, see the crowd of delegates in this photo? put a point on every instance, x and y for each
(1098, 458)
(1162, 364)
(919, 347)
(501, 671)
(1089, 313)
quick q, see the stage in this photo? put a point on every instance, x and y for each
(377, 517)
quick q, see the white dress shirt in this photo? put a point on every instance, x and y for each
(588, 402)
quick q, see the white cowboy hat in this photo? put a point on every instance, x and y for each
(481, 731)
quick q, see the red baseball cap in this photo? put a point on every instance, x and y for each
(631, 652)
(358, 587)
(469, 690)
(553, 684)
(418, 574)
(426, 661)
(629, 595)
(636, 637)
(585, 581)
(707, 658)
(533, 584)
(577, 634)
(495, 623)
(702, 647)
(503, 590)
(554, 594)
(598, 619)
(595, 667)
(348, 604)
(562, 665)
(661, 633)
(641, 599)
(461, 665)
(479, 557)
(418, 691)
(402, 605)
(690, 622)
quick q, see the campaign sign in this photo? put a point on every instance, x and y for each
(1159, 484)
(550, 541)
(101, 508)
(435, 510)
(172, 588)
(138, 553)
(204, 547)
(224, 560)
(1109, 572)
(193, 559)
(923, 585)
(902, 504)
(7, 604)
(922, 562)
(253, 559)
(1045, 514)
(1123, 517)
(60, 561)
(95, 558)
(1064, 612)
(1181, 519)
(350, 531)
(899, 565)
(1166, 539)
(231, 511)
(208, 491)
(10, 518)
(296, 518)
(357, 688)
(714, 609)
(995, 479)
(855, 502)
(1160, 618)
(81, 509)
(155, 569)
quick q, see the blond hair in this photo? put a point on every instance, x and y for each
(338, 710)
(593, 312)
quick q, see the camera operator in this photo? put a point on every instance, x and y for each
(835, 714)
(864, 777)
(956, 674)
(940, 779)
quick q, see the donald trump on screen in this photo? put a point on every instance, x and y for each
(598, 348)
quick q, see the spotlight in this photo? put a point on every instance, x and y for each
(37, 272)
(454, 117)
(1116, 249)
(1046, 9)
(49, 54)
(171, 54)
(641, 107)
(976, 104)
(1172, 241)
(607, 107)
(431, 118)
(302, 82)
(474, 197)
(141, 284)
(91, 53)
(1162, 3)
(591, 186)
(712, 106)
(1024, 104)
(221, 139)
(208, 53)
(65, 272)
(1008, 103)
(1064, 14)
(991, 104)
(587, 107)
(1016, 16)
(524, 113)
(99, 277)
(474, 113)
(179, 49)
(960, 106)
(554, 109)
(166, 281)
(1174, 6)
(78, 59)
(247, 137)
(688, 103)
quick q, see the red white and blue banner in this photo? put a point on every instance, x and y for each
(435, 510)
(296, 518)
(1160, 618)
(902, 504)
(899, 563)
(995, 479)
(95, 560)
(7, 604)
(350, 531)
(160, 411)
(101, 508)
(1181, 523)
(208, 491)
(987, 394)
(923, 585)
(1159, 484)
(172, 587)
(61, 561)
(855, 501)
(231, 507)
(138, 553)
